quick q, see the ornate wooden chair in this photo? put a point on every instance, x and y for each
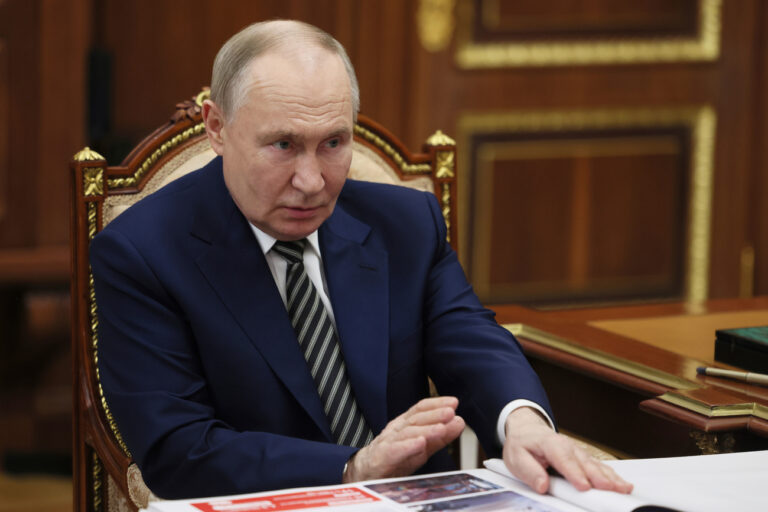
(105, 478)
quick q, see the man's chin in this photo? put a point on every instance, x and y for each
(296, 230)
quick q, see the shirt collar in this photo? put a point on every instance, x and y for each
(266, 241)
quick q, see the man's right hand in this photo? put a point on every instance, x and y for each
(407, 441)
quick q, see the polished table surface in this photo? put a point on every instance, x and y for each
(625, 377)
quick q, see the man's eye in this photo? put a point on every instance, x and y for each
(282, 144)
(333, 143)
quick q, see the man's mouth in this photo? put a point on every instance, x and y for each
(301, 212)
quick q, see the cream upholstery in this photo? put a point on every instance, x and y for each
(367, 165)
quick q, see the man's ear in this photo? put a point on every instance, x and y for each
(214, 121)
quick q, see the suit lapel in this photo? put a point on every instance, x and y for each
(235, 267)
(358, 285)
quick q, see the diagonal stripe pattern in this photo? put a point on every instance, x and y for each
(320, 345)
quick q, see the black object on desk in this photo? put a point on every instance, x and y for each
(745, 347)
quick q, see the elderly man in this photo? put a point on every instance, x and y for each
(267, 323)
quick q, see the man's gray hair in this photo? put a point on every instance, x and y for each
(231, 63)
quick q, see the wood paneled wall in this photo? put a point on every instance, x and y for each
(42, 114)
(43, 45)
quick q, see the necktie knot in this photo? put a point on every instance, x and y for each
(293, 251)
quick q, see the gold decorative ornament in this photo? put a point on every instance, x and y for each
(715, 411)
(710, 444)
(440, 139)
(703, 46)
(93, 183)
(446, 200)
(435, 21)
(132, 181)
(445, 163)
(598, 356)
(391, 152)
(94, 319)
(92, 220)
(700, 121)
(702, 125)
(87, 155)
(203, 95)
(97, 481)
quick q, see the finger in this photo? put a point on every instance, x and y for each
(430, 417)
(425, 414)
(595, 472)
(436, 431)
(608, 479)
(451, 431)
(436, 402)
(564, 458)
(525, 467)
(601, 476)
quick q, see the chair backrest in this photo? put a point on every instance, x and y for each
(104, 477)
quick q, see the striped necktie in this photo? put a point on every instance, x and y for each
(320, 345)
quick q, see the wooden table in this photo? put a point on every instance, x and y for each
(625, 377)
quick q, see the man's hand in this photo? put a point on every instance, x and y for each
(532, 446)
(408, 441)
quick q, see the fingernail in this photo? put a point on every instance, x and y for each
(539, 484)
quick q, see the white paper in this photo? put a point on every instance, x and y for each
(705, 483)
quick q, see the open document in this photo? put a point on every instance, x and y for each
(704, 483)
(685, 484)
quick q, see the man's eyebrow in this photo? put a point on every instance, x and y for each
(290, 135)
(279, 135)
(340, 132)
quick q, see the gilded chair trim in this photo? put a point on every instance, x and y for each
(115, 204)
(440, 139)
(94, 325)
(391, 152)
(149, 162)
(86, 155)
(96, 481)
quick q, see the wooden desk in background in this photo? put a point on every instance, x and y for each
(625, 377)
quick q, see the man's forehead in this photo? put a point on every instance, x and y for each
(312, 87)
(296, 57)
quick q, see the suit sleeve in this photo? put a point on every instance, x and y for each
(468, 354)
(155, 387)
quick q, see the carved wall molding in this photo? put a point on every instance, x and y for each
(703, 46)
(700, 122)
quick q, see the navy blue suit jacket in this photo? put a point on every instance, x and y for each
(201, 368)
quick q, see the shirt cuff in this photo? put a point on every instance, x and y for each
(511, 406)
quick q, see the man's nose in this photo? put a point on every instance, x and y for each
(308, 175)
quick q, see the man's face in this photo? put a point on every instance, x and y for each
(288, 149)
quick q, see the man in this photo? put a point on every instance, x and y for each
(228, 372)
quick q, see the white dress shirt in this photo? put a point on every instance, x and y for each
(313, 266)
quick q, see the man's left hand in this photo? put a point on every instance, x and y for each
(532, 446)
